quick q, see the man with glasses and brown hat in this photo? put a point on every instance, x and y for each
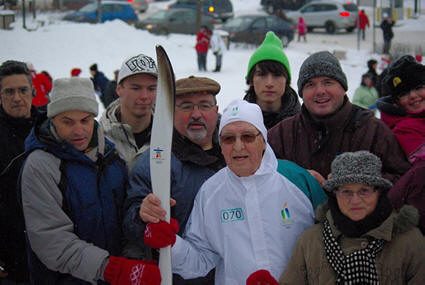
(195, 157)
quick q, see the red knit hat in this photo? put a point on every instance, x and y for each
(75, 71)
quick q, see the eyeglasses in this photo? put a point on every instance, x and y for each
(189, 107)
(245, 138)
(10, 92)
(363, 193)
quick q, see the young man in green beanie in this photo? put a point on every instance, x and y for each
(269, 79)
(329, 124)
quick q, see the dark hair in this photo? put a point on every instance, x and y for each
(266, 66)
(364, 76)
(371, 63)
(13, 67)
(93, 67)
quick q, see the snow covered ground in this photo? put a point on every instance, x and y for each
(59, 46)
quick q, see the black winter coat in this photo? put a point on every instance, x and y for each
(12, 238)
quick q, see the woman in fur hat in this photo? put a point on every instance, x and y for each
(360, 239)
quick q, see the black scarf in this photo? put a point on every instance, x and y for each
(356, 268)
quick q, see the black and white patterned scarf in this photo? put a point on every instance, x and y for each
(356, 268)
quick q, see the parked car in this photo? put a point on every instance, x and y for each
(253, 28)
(271, 6)
(139, 5)
(331, 15)
(111, 10)
(175, 20)
(219, 9)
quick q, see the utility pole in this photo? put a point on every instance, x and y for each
(24, 24)
(199, 6)
(373, 26)
(358, 27)
(99, 11)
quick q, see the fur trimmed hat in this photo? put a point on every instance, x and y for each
(241, 110)
(321, 63)
(356, 167)
(270, 49)
(404, 75)
(74, 93)
(135, 65)
(193, 84)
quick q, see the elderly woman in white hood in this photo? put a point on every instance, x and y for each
(247, 217)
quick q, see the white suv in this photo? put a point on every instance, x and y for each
(331, 15)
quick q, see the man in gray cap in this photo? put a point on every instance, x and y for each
(329, 124)
(196, 156)
(128, 120)
(73, 188)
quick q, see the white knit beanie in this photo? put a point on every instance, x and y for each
(243, 111)
(75, 93)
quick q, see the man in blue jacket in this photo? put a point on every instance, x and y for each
(73, 188)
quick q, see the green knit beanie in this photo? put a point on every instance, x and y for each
(270, 49)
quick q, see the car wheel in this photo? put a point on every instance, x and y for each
(330, 27)
(163, 31)
(350, 29)
(310, 29)
(285, 40)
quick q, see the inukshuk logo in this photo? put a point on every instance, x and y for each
(286, 215)
(157, 153)
(136, 273)
(141, 63)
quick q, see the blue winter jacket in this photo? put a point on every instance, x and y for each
(94, 194)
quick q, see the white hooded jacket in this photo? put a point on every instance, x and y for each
(242, 224)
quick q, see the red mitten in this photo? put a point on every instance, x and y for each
(261, 277)
(123, 271)
(162, 234)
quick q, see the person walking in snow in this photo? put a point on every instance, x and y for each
(73, 187)
(269, 80)
(202, 46)
(387, 32)
(363, 23)
(100, 81)
(302, 29)
(42, 86)
(218, 48)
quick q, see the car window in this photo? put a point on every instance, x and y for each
(259, 24)
(159, 15)
(310, 9)
(181, 17)
(241, 22)
(89, 7)
(328, 7)
(350, 7)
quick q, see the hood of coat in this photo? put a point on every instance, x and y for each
(109, 119)
(403, 220)
(42, 137)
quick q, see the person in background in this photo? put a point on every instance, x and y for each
(329, 124)
(195, 157)
(302, 29)
(366, 95)
(360, 238)
(100, 81)
(128, 120)
(202, 44)
(218, 48)
(42, 86)
(387, 32)
(372, 65)
(75, 72)
(75, 234)
(363, 23)
(269, 80)
(229, 222)
(17, 117)
(110, 91)
(404, 112)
